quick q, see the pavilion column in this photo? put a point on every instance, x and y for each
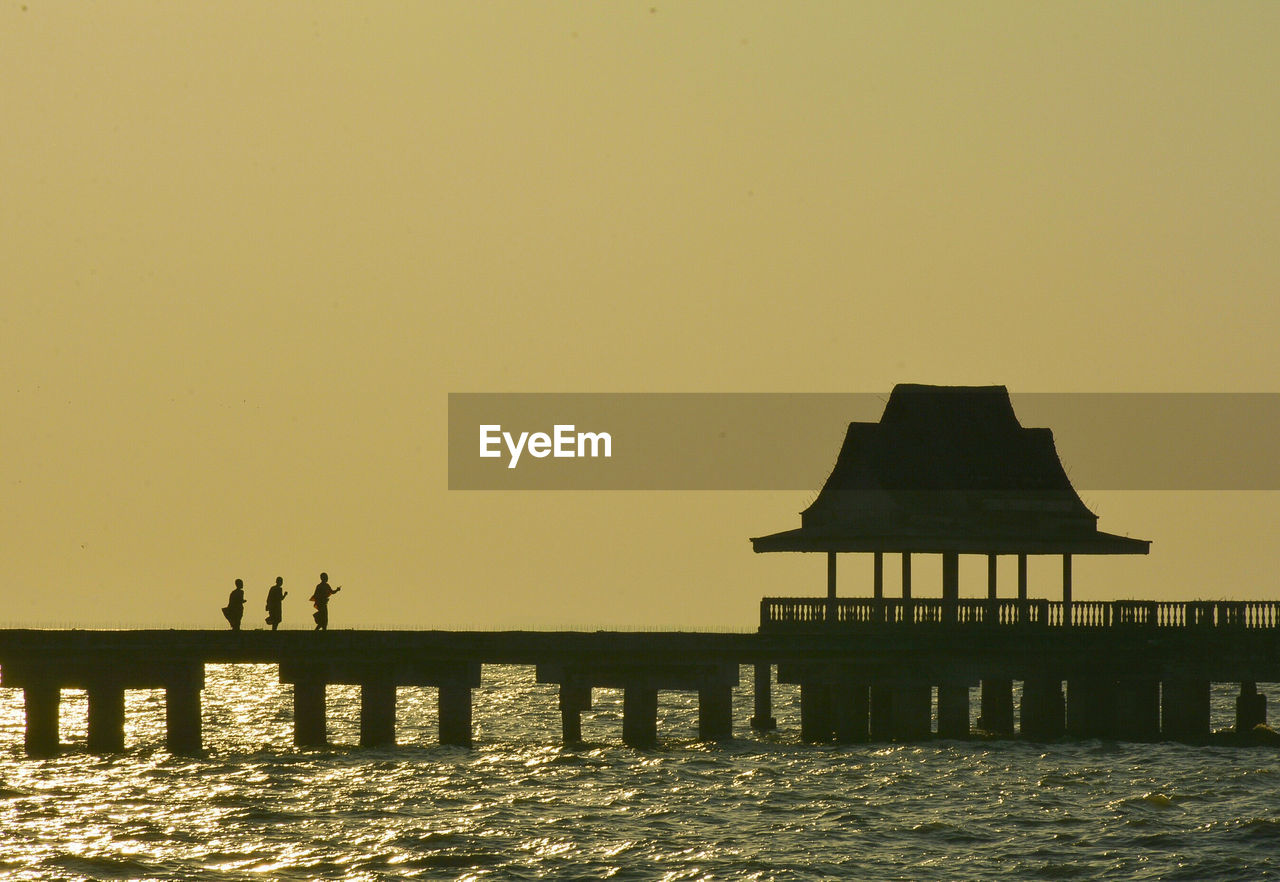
(1066, 590)
(993, 603)
(1022, 588)
(906, 586)
(831, 587)
(877, 588)
(950, 585)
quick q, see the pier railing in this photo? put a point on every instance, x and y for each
(803, 612)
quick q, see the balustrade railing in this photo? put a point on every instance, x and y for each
(1089, 613)
(791, 612)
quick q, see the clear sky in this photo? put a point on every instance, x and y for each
(247, 249)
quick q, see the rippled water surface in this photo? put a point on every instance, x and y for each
(519, 806)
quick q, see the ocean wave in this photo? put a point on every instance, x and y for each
(521, 805)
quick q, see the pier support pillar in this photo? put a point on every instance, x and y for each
(815, 712)
(953, 710)
(1092, 703)
(1043, 714)
(997, 707)
(42, 718)
(763, 718)
(182, 716)
(880, 721)
(573, 701)
(911, 712)
(715, 712)
(455, 714)
(378, 712)
(1251, 707)
(308, 712)
(106, 717)
(849, 711)
(1184, 710)
(639, 716)
(1138, 710)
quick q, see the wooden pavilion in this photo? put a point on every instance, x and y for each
(949, 470)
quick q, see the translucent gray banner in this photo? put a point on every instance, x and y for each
(789, 441)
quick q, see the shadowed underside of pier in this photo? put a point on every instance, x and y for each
(859, 679)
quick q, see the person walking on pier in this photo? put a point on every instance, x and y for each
(275, 598)
(234, 610)
(321, 599)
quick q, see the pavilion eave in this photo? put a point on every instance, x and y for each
(803, 540)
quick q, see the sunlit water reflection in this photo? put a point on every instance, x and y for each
(518, 805)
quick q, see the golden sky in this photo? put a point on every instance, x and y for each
(246, 250)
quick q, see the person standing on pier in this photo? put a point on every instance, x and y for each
(321, 599)
(234, 610)
(275, 598)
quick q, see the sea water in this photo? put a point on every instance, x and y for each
(519, 805)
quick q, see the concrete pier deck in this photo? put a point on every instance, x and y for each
(869, 676)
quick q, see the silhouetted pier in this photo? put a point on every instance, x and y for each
(950, 471)
(947, 471)
(1138, 671)
(1132, 670)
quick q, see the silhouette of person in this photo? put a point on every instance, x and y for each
(234, 610)
(321, 599)
(275, 597)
